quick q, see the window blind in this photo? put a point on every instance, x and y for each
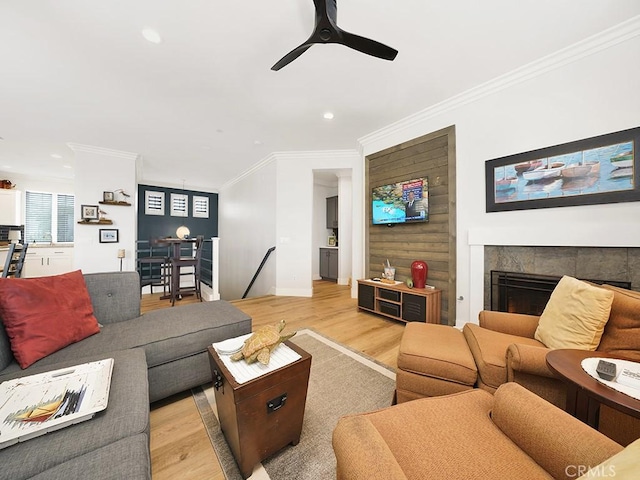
(38, 217)
(48, 217)
(65, 218)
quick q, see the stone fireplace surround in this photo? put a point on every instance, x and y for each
(611, 263)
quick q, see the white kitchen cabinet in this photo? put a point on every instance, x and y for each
(10, 202)
(46, 261)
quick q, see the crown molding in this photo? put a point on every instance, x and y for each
(316, 154)
(608, 38)
(254, 168)
(295, 155)
(77, 147)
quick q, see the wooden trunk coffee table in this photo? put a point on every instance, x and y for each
(263, 415)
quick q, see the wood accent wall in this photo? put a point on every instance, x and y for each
(431, 156)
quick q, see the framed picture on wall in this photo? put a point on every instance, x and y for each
(591, 171)
(108, 235)
(89, 212)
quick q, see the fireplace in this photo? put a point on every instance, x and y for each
(519, 292)
(533, 272)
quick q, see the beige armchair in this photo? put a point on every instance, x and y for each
(503, 349)
(472, 435)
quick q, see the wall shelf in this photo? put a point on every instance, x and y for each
(123, 204)
(95, 222)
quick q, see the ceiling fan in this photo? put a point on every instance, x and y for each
(327, 31)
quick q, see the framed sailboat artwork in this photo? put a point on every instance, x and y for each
(591, 171)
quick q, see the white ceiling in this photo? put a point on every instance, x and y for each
(203, 106)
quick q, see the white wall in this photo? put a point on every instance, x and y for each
(345, 228)
(283, 217)
(294, 223)
(247, 229)
(587, 90)
(39, 184)
(98, 170)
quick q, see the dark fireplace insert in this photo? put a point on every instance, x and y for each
(518, 292)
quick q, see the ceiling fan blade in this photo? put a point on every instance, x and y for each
(291, 56)
(368, 46)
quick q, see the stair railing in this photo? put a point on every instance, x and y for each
(264, 260)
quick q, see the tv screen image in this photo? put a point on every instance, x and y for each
(401, 202)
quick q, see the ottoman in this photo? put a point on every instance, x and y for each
(433, 360)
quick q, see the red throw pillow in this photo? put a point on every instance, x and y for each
(42, 315)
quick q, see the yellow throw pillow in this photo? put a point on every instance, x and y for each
(575, 315)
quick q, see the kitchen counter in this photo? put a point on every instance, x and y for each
(50, 245)
(5, 247)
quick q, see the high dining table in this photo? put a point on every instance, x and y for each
(176, 245)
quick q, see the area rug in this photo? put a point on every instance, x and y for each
(342, 382)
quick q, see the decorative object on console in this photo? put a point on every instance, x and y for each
(419, 271)
(389, 272)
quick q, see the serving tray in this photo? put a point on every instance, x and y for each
(34, 405)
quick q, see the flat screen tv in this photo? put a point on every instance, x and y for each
(401, 202)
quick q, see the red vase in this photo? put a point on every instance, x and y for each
(419, 272)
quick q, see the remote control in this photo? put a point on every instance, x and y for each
(606, 370)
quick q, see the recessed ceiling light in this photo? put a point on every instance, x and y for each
(151, 35)
(328, 116)
(67, 166)
(55, 155)
(257, 142)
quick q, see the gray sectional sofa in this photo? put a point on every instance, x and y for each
(155, 355)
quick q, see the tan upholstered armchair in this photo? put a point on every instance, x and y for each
(523, 359)
(512, 434)
(503, 349)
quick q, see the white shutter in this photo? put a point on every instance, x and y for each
(153, 203)
(200, 207)
(179, 205)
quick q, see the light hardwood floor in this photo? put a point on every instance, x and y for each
(180, 447)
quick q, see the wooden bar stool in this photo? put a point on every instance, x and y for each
(177, 262)
(15, 260)
(158, 266)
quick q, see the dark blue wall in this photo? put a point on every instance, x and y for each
(152, 226)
